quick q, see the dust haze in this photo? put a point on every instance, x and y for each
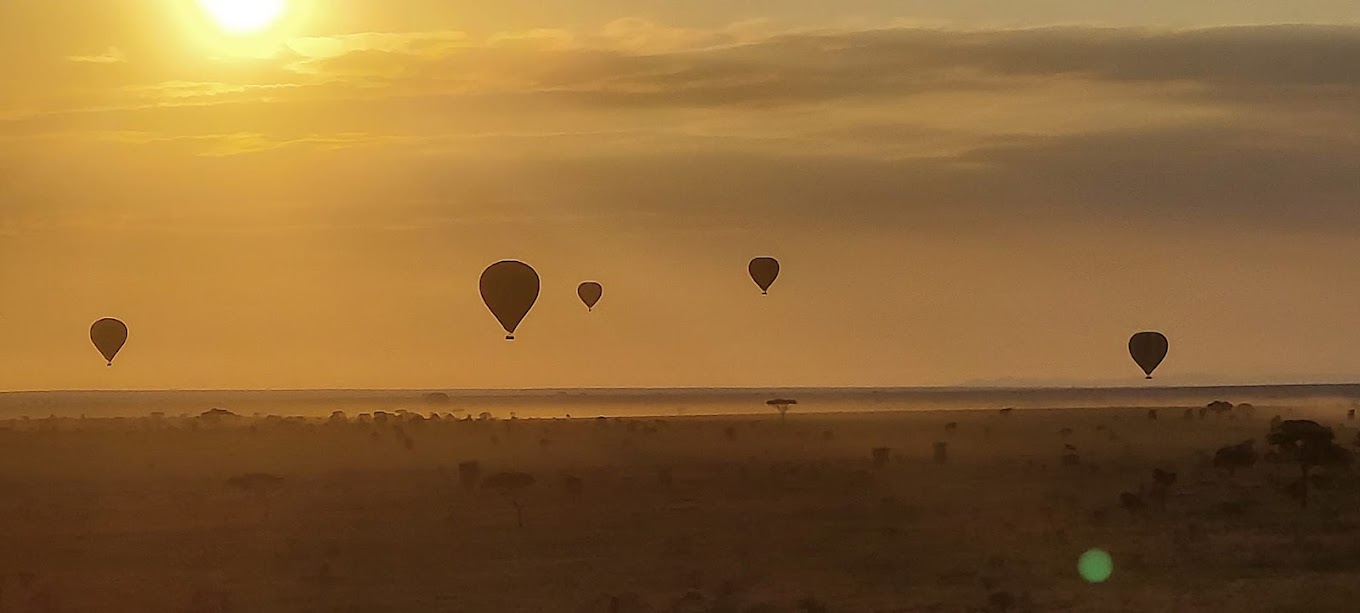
(690, 500)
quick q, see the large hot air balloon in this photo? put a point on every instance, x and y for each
(764, 271)
(108, 336)
(1148, 350)
(590, 293)
(509, 288)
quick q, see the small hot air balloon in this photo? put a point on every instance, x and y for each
(764, 271)
(509, 288)
(590, 293)
(108, 336)
(1148, 350)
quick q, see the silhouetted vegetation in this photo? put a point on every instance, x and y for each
(1310, 445)
(1220, 407)
(469, 474)
(510, 484)
(1235, 457)
(782, 405)
(881, 455)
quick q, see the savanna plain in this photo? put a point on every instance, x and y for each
(440, 509)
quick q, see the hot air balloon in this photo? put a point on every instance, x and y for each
(590, 293)
(509, 288)
(1148, 350)
(108, 336)
(764, 271)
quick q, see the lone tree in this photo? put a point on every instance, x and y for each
(1233, 457)
(880, 456)
(941, 454)
(469, 474)
(782, 405)
(1162, 480)
(1310, 444)
(510, 484)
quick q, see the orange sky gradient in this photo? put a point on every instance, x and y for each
(960, 193)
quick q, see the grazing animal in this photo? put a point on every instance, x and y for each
(1152, 414)
(951, 426)
(1350, 415)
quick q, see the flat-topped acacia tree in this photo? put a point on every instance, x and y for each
(782, 405)
(1310, 444)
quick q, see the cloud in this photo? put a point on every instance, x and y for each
(645, 65)
(110, 56)
(741, 126)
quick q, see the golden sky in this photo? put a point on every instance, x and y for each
(961, 192)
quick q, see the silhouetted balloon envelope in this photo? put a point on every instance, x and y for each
(108, 336)
(1148, 350)
(764, 271)
(590, 293)
(509, 288)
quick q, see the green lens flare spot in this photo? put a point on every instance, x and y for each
(1095, 566)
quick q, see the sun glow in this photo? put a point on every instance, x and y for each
(244, 16)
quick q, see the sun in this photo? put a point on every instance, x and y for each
(244, 16)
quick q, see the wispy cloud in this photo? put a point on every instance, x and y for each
(110, 56)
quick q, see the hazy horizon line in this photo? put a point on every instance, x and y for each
(712, 389)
